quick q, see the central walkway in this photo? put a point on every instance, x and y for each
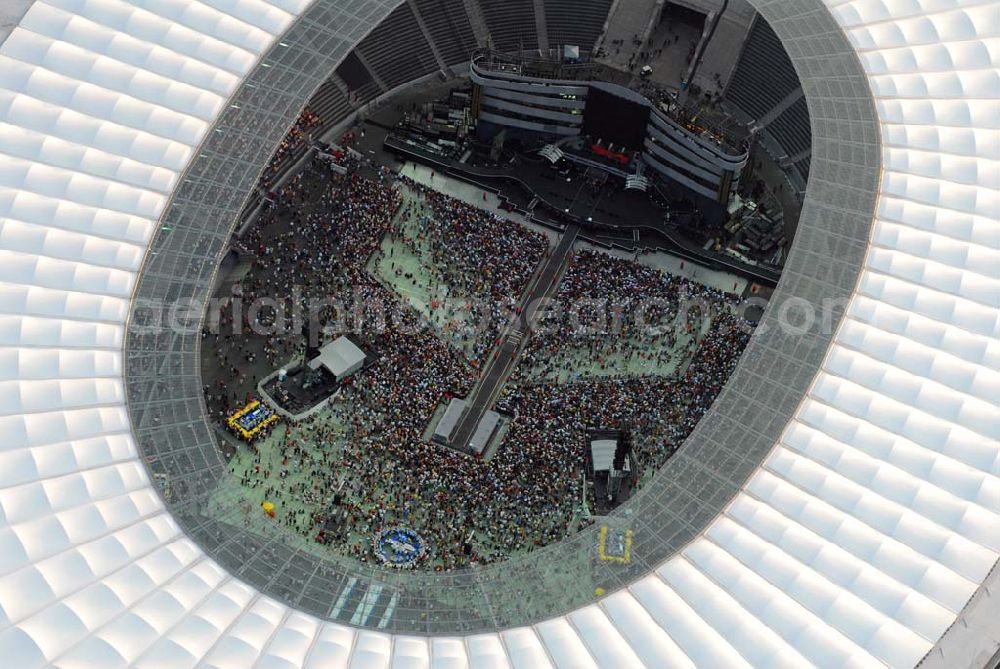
(512, 339)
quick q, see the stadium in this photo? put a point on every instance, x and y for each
(499, 333)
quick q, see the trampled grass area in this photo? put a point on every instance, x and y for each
(406, 264)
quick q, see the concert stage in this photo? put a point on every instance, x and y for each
(611, 216)
(300, 389)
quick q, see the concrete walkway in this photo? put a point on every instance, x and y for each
(512, 340)
(630, 20)
(677, 39)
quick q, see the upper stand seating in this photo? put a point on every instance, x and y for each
(359, 80)
(764, 75)
(331, 105)
(450, 29)
(791, 128)
(803, 167)
(511, 23)
(576, 22)
(397, 50)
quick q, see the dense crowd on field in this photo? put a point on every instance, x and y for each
(484, 258)
(621, 307)
(364, 463)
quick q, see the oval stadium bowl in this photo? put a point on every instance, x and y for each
(839, 504)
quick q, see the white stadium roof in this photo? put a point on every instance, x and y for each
(859, 541)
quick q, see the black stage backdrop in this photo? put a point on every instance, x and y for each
(615, 120)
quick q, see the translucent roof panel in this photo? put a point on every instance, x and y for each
(852, 526)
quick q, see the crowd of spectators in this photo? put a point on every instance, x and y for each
(615, 308)
(479, 254)
(611, 308)
(305, 253)
(365, 464)
(297, 137)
